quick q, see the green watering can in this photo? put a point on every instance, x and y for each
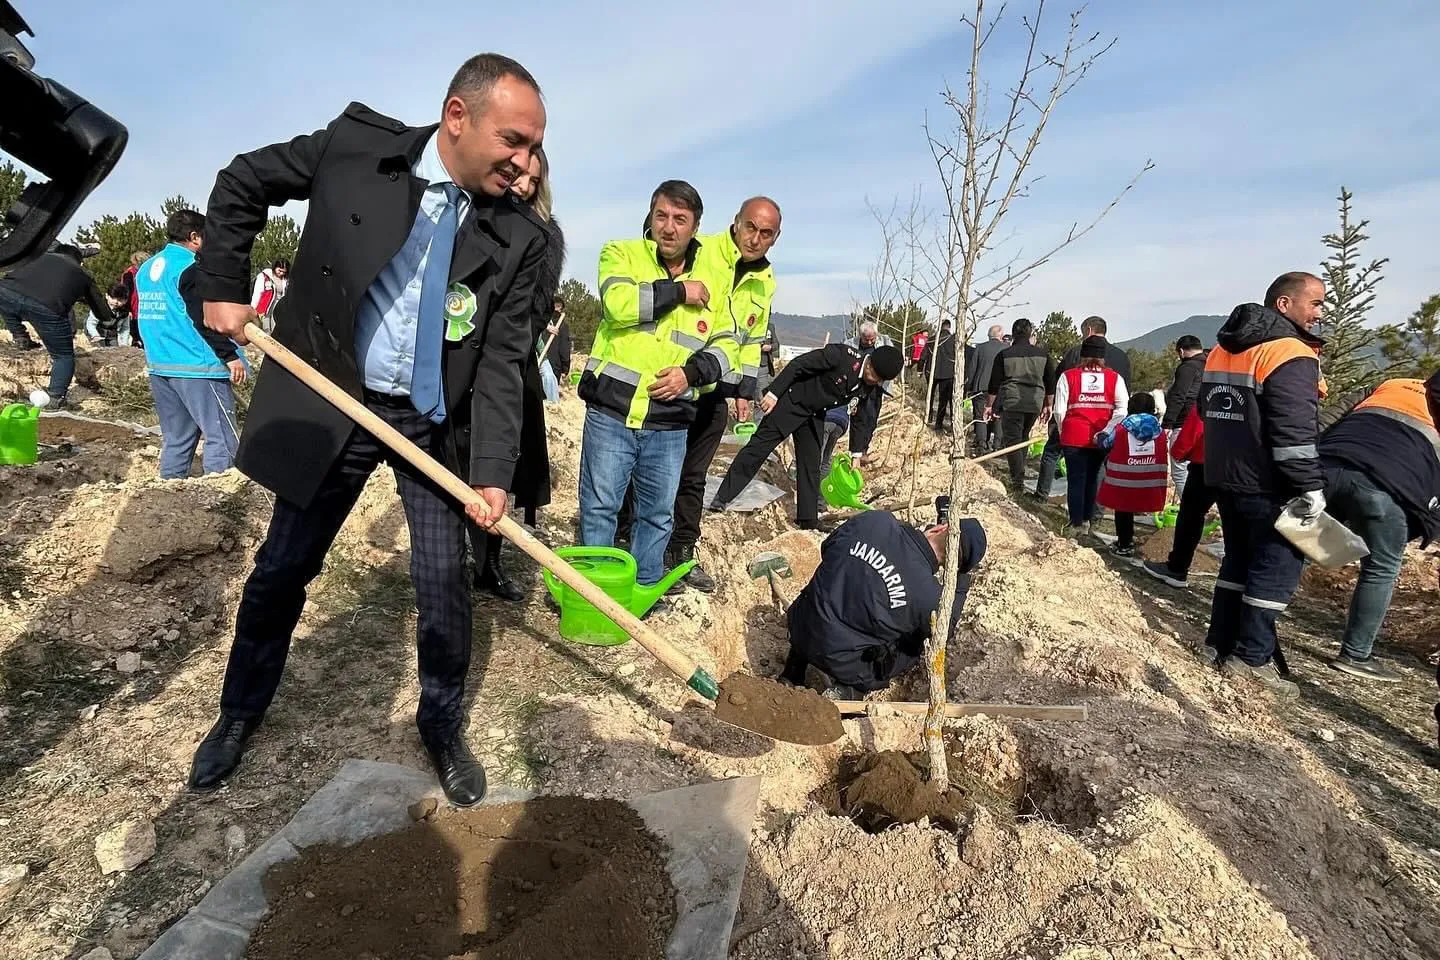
(574, 378)
(1167, 517)
(841, 488)
(744, 431)
(613, 571)
(1038, 449)
(19, 434)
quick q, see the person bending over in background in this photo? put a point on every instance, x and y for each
(42, 293)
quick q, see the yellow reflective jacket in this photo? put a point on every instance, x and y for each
(645, 328)
(750, 289)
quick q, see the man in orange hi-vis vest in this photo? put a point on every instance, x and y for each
(1382, 480)
(1260, 397)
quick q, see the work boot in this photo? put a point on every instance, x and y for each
(1161, 571)
(696, 578)
(1267, 675)
(1367, 669)
(491, 575)
(461, 775)
(219, 753)
(1123, 552)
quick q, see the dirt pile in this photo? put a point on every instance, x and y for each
(785, 713)
(550, 879)
(882, 790)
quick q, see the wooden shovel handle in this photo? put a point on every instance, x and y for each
(674, 660)
(956, 710)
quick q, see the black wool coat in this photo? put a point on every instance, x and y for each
(356, 175)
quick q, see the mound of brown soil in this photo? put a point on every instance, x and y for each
(792, 714)
(881, 790)
(557, 877)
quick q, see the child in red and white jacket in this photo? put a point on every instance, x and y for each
(1137, 470)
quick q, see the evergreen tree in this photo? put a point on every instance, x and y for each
(1057, 333)
(12, 183)
(582, 313)
(1346, 361)
(1412, 349)
(277, 241)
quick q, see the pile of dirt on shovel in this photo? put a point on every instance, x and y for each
(553, 878)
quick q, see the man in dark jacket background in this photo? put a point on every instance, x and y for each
(1260, 399)
(42, 293)
(1381, 456)
(414, 291)
(977, 384)
(940, 353)
(1023, 380)
(1115, 359)
(1180, 399)
(864, 617)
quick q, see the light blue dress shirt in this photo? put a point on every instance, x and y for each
(387, 320)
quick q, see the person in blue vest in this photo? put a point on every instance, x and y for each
(191, 367)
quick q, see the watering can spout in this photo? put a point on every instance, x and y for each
(642, 598)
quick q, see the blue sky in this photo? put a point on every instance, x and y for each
(1254, 114)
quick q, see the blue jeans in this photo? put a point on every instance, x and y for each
(612, 456)
(1082, 481)
(56, 332)
(1257, 578)
(548, 383)
(188, 409)
(1355, 501)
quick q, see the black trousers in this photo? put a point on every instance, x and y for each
(1014, 427)
(1258, 576)
(1124, 529)
(864, 421)
(943, 399)
(295, 548)
(786, 420)
(1196, 499)
(711, 416)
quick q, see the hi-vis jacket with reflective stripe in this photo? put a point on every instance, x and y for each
(646, 328)
(1390, 437)
(746, 307)
(1260, 397)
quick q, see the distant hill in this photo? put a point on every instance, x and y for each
(802, 331)
(1162, 339)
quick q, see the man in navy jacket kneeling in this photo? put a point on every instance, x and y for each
(865, 616)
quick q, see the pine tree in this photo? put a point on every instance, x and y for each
(1057, 333)
(1346, 361)
(1412, 349)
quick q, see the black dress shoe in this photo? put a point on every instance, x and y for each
(461, 776)
(493, 580)
(219, 753)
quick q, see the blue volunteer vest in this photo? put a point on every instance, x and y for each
(173, 347)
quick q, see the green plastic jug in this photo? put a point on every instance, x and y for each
(613, 571)
(744, 431)
(841, 488)
(19, 434)
(574, 378)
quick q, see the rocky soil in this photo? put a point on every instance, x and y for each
(1189, 817)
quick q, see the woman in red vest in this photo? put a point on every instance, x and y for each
(1137, 474)
(1089, 399)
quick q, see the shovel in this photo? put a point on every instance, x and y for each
(676, 661)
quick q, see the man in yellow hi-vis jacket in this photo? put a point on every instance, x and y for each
(737, 259)
(653, 353)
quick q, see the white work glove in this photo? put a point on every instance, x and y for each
(1309, 505)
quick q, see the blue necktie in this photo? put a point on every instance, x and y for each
(427, 387)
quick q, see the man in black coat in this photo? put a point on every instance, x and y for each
(940, 352)
(795, 404)
(1181, 397)
(413, 289)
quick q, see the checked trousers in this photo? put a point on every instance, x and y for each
(295, 548)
